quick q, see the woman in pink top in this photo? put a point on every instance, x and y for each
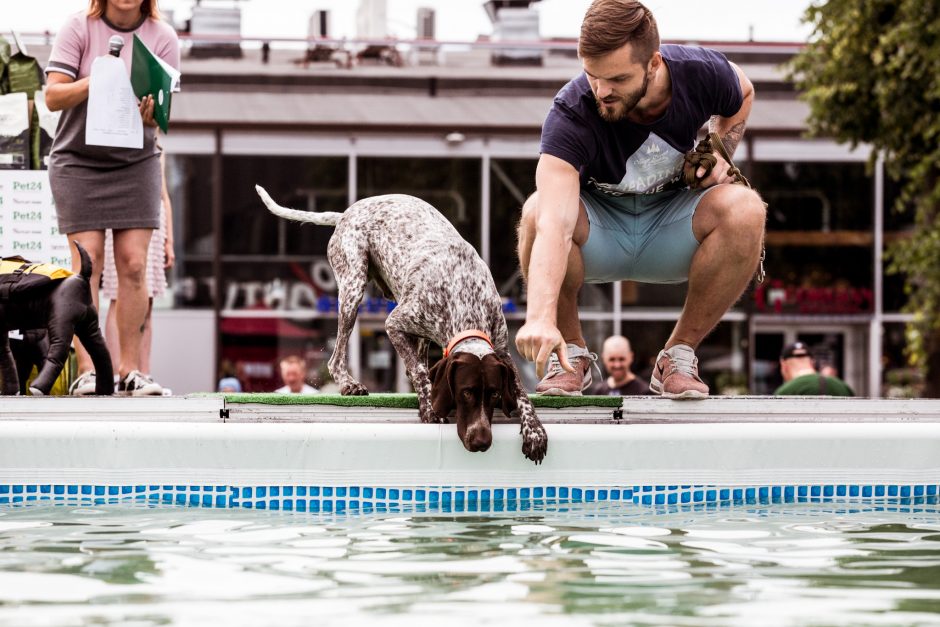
(96, 187)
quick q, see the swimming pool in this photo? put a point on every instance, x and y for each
(204, 451)
(597, 563)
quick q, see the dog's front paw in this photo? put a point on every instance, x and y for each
(354, 389)
(432, 417)
(534, 442)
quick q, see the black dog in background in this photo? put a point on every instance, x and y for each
(29, 350)
(63, 307)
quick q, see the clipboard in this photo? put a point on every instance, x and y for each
(152, 75)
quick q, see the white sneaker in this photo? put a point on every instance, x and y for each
(84, 385)
(139, 384)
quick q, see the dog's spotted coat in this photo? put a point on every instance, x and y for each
(441, 285)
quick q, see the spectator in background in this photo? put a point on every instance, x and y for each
(618, 358)
(294, 374)
(800, 376)
(229, 385)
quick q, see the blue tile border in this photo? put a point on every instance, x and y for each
(338, 499)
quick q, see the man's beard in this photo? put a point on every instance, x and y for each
(623, 106)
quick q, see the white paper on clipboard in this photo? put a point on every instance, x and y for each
(113, 117)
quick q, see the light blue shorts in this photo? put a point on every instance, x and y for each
(640, 237)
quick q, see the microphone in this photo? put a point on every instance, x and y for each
(114, 45)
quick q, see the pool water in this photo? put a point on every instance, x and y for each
(591, 564)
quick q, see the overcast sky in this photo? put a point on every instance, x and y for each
(463, 20)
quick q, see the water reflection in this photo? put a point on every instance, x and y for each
(594, 564)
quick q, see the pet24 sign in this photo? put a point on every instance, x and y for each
(28, 225)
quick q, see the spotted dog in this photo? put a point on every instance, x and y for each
(445, 294)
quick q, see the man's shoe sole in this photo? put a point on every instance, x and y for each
(688, 395)
(559, 392)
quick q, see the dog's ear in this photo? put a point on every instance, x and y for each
(442, 392)
(511, 385)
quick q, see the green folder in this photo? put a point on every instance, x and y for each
(151, 75)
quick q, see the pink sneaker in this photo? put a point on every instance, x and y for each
(559, 382)
(675, 374)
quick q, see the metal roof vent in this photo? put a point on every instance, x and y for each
(514, 22)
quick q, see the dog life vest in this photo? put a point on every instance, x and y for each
(18, 276)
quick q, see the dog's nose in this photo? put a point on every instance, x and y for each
(479, 440)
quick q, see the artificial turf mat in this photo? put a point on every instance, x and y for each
(404, 401)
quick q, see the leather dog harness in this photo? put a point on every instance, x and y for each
(466, 335)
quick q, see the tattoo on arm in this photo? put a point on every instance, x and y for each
(732, 137)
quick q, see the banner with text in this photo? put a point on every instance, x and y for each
(28, 225)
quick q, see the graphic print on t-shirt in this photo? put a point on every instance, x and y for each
(652, 168)
(627, 157)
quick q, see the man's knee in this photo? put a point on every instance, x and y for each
(736, 209)
(745, 210)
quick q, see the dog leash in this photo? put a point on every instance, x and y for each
(703, 156)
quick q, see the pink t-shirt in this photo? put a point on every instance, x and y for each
(82, 40)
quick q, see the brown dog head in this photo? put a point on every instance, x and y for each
(473, 387)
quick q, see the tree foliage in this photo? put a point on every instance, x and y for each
(871, 75)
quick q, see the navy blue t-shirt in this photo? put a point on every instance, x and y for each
(626, 156)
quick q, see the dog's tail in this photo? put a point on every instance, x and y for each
(86, 262)
(321, 218)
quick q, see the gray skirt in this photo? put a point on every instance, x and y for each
(94, 199)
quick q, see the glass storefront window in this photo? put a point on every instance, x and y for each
(511, 182)
(843, 347)
(899, 379)
(452, 186)
(819, 238)
(309, 183)
(814, 196)
(189, 182)
(278, 294)
(252, 349)
(898, 225)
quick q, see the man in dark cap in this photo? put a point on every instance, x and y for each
(800, 376)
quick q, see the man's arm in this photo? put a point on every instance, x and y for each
(730, 130)
(556, 216)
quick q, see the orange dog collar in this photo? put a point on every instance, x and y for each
(466, 335)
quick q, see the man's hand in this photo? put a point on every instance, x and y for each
(721, 173)
(536, 341)
(709, 164)
(146, 111)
